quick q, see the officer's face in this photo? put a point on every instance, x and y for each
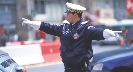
(70, 17)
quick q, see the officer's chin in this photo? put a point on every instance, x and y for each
(69, 21)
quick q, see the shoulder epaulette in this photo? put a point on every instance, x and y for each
(85, 22)
(66, 22)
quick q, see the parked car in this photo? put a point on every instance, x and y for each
(102, 55)
(122, 62)
(7, 64)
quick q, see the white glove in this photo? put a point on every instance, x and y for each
(109, 33)
(34, 24)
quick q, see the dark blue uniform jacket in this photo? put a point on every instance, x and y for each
(75, 39)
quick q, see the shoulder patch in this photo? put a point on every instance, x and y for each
(85, 22)
(90, 27)
(66, 22)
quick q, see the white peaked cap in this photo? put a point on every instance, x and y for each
(74, 8)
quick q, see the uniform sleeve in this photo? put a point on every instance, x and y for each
(94, 33)
(52, 29)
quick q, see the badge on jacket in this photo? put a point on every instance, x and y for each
(75, 36)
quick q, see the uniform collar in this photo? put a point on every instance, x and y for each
(77, 23)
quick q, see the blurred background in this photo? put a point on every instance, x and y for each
(116, 15)
(100, 12)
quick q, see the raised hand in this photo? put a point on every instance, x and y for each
(34, 24)
(25, 21)
(109, 33)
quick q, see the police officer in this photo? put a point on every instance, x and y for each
(76, 37)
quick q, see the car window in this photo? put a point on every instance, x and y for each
(6, 62)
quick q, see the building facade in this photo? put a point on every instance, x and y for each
(47, 10)
(117, 6)
(11, 12)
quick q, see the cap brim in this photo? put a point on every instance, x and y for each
(67, 11)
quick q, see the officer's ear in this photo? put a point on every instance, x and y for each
(75, 15)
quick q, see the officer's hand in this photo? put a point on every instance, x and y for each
(34, 24)
(109, 33)
(117, 33)
(25, 22)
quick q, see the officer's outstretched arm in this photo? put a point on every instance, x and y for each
(34, 24)
(109, 33)
(52, 29)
